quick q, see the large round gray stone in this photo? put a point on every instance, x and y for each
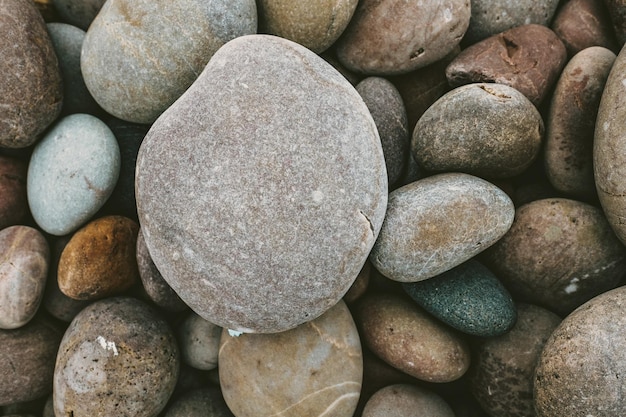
(262, 189)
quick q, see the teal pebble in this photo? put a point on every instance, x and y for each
(469, 298)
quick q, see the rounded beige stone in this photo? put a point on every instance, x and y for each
(403, 400)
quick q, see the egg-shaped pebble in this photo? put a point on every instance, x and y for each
(23, 272)
(437, 223)
(315, 24)
(156, 51)
(558, 253)
(489, 130)
(118, 357)
(201, 402)
(199, 342)
(313, 369)
(100, 259)
(72, 172)
(27, 360)
(468, 297)
(582, 366)
(269, 142)
(502, 375)
(31, 88)
(401, 400)
(13, 201)
(411, 340)
(388, 37)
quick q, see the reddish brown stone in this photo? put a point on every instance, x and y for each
(528, 58)
(13, 202)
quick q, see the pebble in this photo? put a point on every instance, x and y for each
(23, 272)
(100, 259)
(199, 342)
(387, 37)
(30, 80)
(502, 375)
(156, 288)
(402, 400)
(68, 41)
(311, 370)
(118, 357)
(72, 172)
(490, 17)
(13, 201)
(411, 340)
(202, 402)
(309, 159)
(138, 70)
(571, 122)
(490, 130)
(546, 258)
(468, 298)
(582, 366)
(609, 148)
(528, 58)
(437, 223)
(78, 13)
(582, 24)
(385, 104)
(27, 362)
(314, 24)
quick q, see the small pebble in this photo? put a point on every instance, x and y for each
(78, 13)
(403, 400)
(13, 201)
(202, 402)
(199, 342)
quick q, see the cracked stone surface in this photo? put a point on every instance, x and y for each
(314, 369)
(262, 190)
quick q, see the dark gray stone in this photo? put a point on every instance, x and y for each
(78, 13)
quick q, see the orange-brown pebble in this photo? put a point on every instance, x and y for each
(99, 260)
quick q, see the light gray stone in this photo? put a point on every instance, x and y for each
(199, 342)
(262, 190)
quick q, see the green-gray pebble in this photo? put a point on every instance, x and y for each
(469, 298)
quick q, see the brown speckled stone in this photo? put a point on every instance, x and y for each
(262, 190)
(558, 253)
(312, 370)
(100, 259)
(402, 400)
(408, 338)
(388, 37)
(118, 357)
(502, 370)
(315, 24)
(31, 91)
(27, 360)
(437, 223)
(583, 365)
(13, 202)
(528, 58)
(572, 120)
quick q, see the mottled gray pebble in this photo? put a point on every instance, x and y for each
(199, 342)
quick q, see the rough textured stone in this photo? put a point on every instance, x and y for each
(282, 158)
(78, 13)
(72, 172)
(315, 24)
(156, 51)
(469, 298)
(528, 58)
(609, 148)
(402, 400)
(157, 289)
(31, 91)
(617, 11)
(13, 201)
(388, 37)
(582, 365)
(385, 104)
(502, 371)
(572, 120)
(558, 253)
(437, 223)
(582, 24)
(23, 269)
(411, 340)
(313, 369)
(490, 17)
(488, 130)
(203, 402)
(100, 259)
(118, 357)
(68, 41)
(199, 342)
(27, 360)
